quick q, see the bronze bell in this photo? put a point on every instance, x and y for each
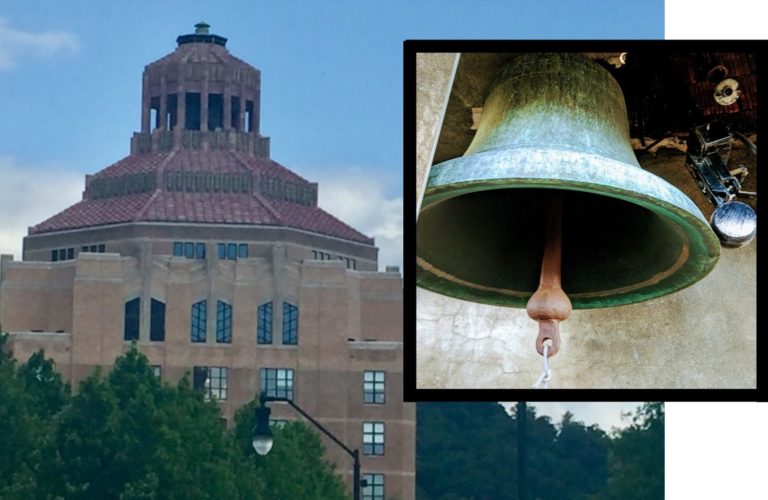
(554, 130)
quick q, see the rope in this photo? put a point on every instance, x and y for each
(546, 374)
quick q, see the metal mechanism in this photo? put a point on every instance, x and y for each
(557, 123)
(709, 147)
(727, 92)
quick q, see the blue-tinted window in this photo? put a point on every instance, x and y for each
(264, 324)
(70, 253)
(178, 249)
(223, 322)
(199, 250)
(189, 250)
(54, 255)
(157, 321)
(290, 324)
(277, 382)
(199, 318)
(131, 327)
(102, 248)
(232, 251)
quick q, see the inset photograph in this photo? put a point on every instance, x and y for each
(585, 215)
(580, 451)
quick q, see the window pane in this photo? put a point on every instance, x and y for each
(232, 251)
(70, 253)
(242, 251)
(222, 251)
(131, 326)
(264, 324)
(199, 376)
(200, 251)
(94, 248)
(63, 254)
(199, 318)
(157, 321)
(178, 248)
(102, 248)
(189, 250)
(54, 255)
(290, 324)
(223, 322)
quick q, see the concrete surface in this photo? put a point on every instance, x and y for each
(436, 71)
(701, 337)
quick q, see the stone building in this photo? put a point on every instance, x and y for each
(218, 263)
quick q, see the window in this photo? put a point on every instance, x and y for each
(94, 248)
(215, 111)
(199, 318)
(192, 114)
(264, 324)
(373, 438)
(277, 382)
(60, 254)
(223, 322)
(277, 422)
(189, 249)
(290, 324)
(157, 321)
(212, 381)
(374, 487)
(157, 370)
(373, 387)
(232, 251)
(131, 330)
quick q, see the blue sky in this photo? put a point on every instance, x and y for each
(70, 87)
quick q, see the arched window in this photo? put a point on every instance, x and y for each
(223, 322)
(131, 330)
(290, 324)
(264, 324)
(199, 318)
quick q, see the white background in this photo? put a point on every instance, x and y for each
(716, 450)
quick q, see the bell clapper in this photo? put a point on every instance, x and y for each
(549, 305)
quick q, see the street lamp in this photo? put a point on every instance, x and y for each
(262, 436)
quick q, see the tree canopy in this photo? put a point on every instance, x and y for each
(128, 435)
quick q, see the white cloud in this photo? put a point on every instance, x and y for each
(16, 44)
(29, 195)
(359, 199)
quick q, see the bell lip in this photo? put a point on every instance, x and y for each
(546, 168)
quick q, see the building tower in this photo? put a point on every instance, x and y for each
(217, 262)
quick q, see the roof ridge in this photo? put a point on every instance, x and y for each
(243, 164)
(158, 189)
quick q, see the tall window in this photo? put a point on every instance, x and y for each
(212, 381)
(223, 322)
(157, 321)
(374, 487)
(199, 318)
(131, 329)
(373, 387)
(277, 382)
(264, 324)
(290, 324)
(373, 438)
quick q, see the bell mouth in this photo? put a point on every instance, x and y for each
(483, 240)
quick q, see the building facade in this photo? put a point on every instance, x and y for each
(218, 263)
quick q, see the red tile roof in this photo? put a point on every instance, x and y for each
(196, 207)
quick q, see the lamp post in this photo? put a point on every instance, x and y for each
(262, 436)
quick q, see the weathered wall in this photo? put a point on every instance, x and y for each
(701, 337)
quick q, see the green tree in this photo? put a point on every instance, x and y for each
(636, 457)
(31, 396)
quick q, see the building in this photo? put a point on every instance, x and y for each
(217, 262)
